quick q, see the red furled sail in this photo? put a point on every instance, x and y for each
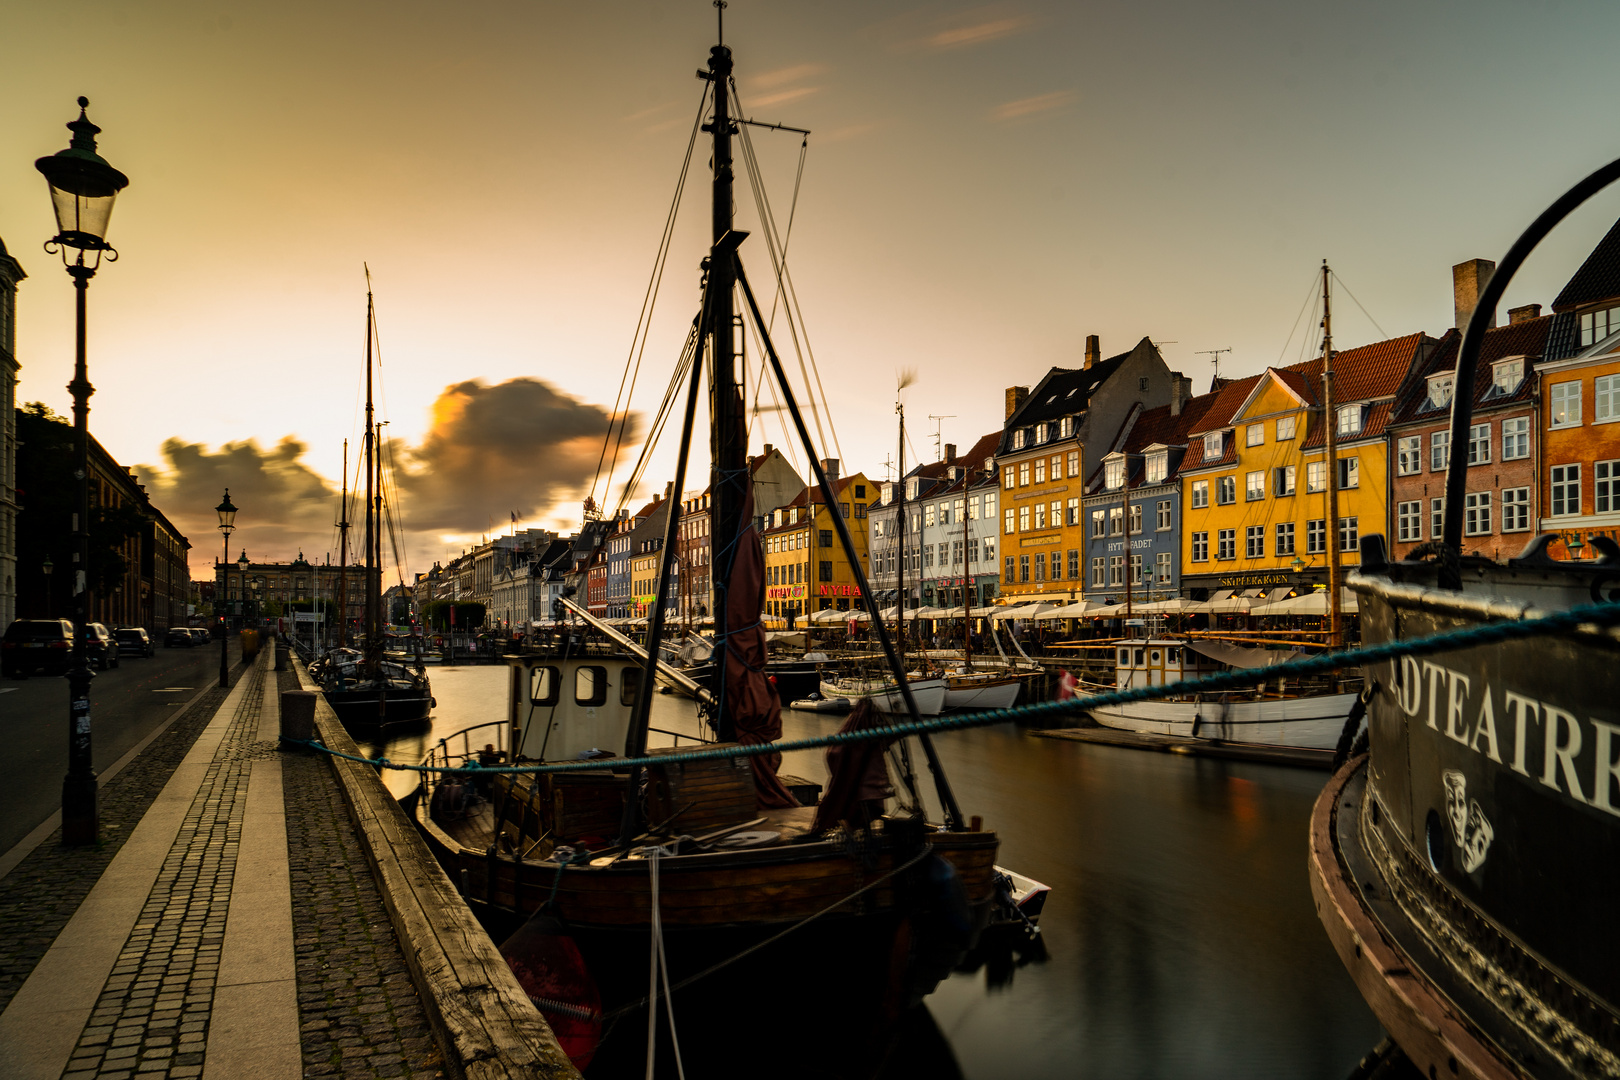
(756, 711)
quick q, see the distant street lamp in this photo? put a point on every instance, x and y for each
(83, 187)
(47, 567)
(227, 525)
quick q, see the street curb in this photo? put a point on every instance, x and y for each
(484, 1023)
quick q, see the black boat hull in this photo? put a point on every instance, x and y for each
(373, 711)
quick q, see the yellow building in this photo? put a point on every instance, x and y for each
(805, 566)
(1255, 479)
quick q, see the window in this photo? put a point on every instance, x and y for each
(990, 505)
(1516, 510)
(1226, 544)
(1074, 463)
(1009, 524)
(1254, 435)
(990, 549)
(1200, 493)
(1285, 428)
(1057, 513)
(1566, 490)
(1564, 405)
(1040, 515)
(1023, 568)
(1349, 473)
(590, 686)
(1040, 470)
(1439, 451)
(1597, 325)
(1440, 390)
(1116, 569)
(1506, 375)
(1057, 466)
(1114, 474)
(1116, 521)
(1098, 572)
(1098, 528)
(1285, 538)
(928, 515)
(1074, 564)
(1040, 433)
(1009, 570)
(1605, 487)
(826, 537)
(1226, 490)
(1254, 486)
(1065, 427)
(1254, 542)
(1350, 419)
(1018, 439)
(1409, 455)
(1283, 479)
(1136, 518)
(1479, 444)
(1136, 569)
(1316, 536)
(1073, 517)
(1163, 520)
(1409, 521)
(1040, 566)
(1214, 445)
(1023, 474)
(1200, 547)
(1157, 466)
(1477, 513)
(1437, 517)
(1606, 398)
(543, 685)
(1023, 518)
(1349, 535)
(1162, 567)
(1315, 476)
(1007, 480)
(973, 509)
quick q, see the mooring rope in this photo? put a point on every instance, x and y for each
(1606, 614)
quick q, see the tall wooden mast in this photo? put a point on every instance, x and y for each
(371, 506)
(343, 554)
(1331, 419)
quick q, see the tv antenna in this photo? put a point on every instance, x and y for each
(1214, 358)
(936, 419)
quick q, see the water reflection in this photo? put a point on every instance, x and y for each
(1181, 933)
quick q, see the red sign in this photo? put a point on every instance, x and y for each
(840, 590)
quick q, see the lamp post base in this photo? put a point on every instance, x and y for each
(80, 816)
(81, 813)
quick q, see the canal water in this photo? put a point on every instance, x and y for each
(1180, 931)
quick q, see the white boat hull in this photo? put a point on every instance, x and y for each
(982, 696)
(1311, 723)
(928, 693)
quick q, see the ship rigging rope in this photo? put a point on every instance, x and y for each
(649, 301)
(1574, 619)
(677, 380)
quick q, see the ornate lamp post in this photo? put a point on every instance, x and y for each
(83, 187)
(227, 525)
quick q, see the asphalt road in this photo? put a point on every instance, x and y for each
(126, 704)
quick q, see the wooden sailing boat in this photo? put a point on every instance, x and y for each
(852, 916)
(369, 694)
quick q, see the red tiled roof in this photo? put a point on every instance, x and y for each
(1527, 338)
(1372, 428)
(1365, 373)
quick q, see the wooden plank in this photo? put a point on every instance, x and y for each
(486, 1027)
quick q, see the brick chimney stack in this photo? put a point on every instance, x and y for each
(1093, 349)
(830, 467)
(1468, 280)
(1181, 392)
(1517, 315)
(950, 451)
(1016, 396)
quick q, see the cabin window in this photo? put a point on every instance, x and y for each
(629, 683)
(1155, 658)
(1125, 657)
(1138, 658)
(1173, 657)
(590, 686)
(543, 683)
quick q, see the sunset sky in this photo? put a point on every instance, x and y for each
(984, 186)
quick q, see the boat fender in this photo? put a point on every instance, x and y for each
(543, 955)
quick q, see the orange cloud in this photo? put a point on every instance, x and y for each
(1024, 108)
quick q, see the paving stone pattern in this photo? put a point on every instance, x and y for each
(152, 1017)
(43, 891)
(358, 1011)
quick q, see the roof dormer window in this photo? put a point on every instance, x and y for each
(911, 488)
(1040, 433)
(1214, 445)
(1597, 325)
(1351, 419)
(1018, 439)
(1065, 427)
(1114, 473)
(1440, 390)
(1506, 375)
(888, 494)
(1157, 466)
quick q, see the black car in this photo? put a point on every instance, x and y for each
(32, 645)
(133, 641)
(99, 648)
(178, 637)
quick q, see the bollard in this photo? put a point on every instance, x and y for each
(281, 655)
(298, 714)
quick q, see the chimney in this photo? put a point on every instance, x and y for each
(950, 451)
(1181, 392)
(1093, 349)
(1468, 280)
(1016, 396)
(1517, 315)
(768, 449)
(830, 467)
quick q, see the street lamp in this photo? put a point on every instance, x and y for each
(83, 187)
(1574, 546)
(227, 525)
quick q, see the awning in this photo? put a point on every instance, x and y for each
(1022, 611)
(1223, 594)
(1220, 604)
(1239, 657)
(1068, 611)
(937, 613)
(1176, 604)
(984, 612)
(1312, 603)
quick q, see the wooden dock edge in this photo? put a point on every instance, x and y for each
(1416, 1014)
(1177, 744)
(485, 1025)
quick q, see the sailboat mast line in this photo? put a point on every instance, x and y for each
(649, 301)
(661, 418)
(953, 815)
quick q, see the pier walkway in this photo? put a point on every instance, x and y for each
(228, 924)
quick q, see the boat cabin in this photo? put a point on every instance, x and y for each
(1155, 662)
(562, 706)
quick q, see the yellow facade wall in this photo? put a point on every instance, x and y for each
(1033, 483)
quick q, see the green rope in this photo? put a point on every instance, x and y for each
(1486, 634)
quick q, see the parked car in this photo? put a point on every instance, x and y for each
(134, 641)
(199, 636)
(32, 645)
(178, 637)
(100, 650)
